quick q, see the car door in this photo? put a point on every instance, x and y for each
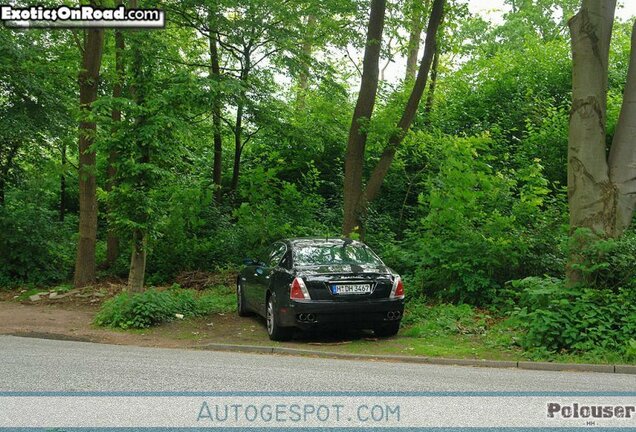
(263, 274)
(249, 285)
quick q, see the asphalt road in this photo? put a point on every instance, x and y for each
(28, 364)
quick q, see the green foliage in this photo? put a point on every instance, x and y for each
(561, 319)
(422, 320)
(482, 227)
(34, 249)
(606, 263)
(474, 198)
(153, 307)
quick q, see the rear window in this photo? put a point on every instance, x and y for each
(334, 253)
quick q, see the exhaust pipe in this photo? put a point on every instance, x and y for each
(301, 317)
(311, 317)
(393, 315)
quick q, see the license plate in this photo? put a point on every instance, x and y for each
(350, 288)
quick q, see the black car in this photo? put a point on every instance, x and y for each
(316, 282)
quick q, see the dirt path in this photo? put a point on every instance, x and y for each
(74, 322)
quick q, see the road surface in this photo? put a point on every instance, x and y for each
(28, 364)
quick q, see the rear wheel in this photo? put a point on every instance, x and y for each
(275, 331)
(387, 330)
(240, 300)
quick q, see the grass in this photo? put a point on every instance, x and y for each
(154, 306)
(432, 330)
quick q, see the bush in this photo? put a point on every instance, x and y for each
(152, 307)
(561, 319)
(483, 227)
(606, 263)
(34, 246)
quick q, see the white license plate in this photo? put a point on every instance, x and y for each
(350, 288)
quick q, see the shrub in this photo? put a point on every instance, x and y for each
(482, 226)
(152, 307)
(34, 246)
(606, 263)
(562, 319)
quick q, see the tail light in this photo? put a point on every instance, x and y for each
(397, 292)
(298, 290)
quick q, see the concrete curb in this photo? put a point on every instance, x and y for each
(502, 364)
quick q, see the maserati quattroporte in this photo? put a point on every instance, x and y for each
(316, 282)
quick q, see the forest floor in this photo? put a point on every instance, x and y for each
(74, 322)
(71, 318)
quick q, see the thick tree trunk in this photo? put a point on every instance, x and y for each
(112, 240)
(138, 262)
(88, 83)
(354, 161)
(383, 165)
(591, 195)
(622, 157)
(415, 36)
(215, 75)
(63, 184)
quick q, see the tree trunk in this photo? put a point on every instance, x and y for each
(238, 126)
(307, 49)
(238, 140)
(112, 240)
(139, 252)
(430, 97)
(383, 165)
(215, 75)
(63, 184)
(415, 36)
(354, 160)
(138, 262)
(5, 169)
(88, 84)
(622, 157)
(590, 193)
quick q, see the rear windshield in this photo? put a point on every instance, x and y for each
(334, 253)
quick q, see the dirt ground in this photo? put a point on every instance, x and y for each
(71, 318)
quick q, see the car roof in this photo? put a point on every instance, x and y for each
(321, 240)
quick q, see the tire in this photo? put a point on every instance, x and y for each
(275, 331)
(387, 330)
(241, 307)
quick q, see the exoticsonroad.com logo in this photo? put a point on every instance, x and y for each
(81, 16)
(576, 411)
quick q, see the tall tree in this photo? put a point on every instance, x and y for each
(306, 51)
(112, 240)
(62, 207)
(601, 192)
(88, 85)
(215, 77)
(354, 161)
(355, 212)
(417, 10)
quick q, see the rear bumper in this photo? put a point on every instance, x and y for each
(358, 314)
